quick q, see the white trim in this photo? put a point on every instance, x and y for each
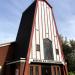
(16, 62)
(2, 45)
(45, 61)
(50, 62)
(22, 58)
(5, 44)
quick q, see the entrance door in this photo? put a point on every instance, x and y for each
(46, 70)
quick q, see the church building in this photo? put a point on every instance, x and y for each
(37, 49)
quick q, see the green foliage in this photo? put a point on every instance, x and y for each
(69, 52)
(71, 73)
(72, 42)
(66, 48)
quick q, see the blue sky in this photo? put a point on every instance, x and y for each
(11, 12)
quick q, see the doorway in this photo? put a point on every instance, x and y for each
(46, 70)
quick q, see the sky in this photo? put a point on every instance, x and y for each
(11, 12)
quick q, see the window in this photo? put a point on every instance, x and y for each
(57, 54)
(38, 51)
(57, 51)
(58, 70)
(31, 70)
(54, 70)
(37, 70)
(17, 72)
(48, 50)
(37, 47)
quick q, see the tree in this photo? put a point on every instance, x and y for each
(69, 52)
(72, 43)
(72, 55)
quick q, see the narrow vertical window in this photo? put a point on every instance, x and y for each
(58, 70)
(37, 47)
(57, 54)
(31, 70)
(37, 70)
(54, 70)
(57, 51)
(17, 72)
(38, 51)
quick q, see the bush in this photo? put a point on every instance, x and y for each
(71, 73)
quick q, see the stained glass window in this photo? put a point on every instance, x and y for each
(48, 50)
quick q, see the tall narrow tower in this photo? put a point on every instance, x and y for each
(39, 41)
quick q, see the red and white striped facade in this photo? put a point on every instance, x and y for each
(44, 27)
